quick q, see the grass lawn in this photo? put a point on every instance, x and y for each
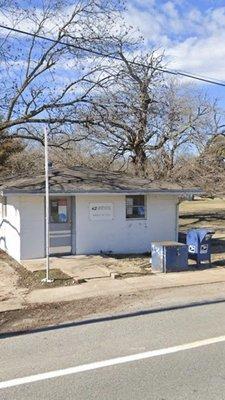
(203, 213)
(206, 213)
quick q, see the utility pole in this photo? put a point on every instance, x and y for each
(47, 279)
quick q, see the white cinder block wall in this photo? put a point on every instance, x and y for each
(10, 227)
(32, 227)
(121, 235)
(163, 217)
(22, 230)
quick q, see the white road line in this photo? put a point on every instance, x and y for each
(108, 363)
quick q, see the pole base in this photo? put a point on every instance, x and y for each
(47, 280)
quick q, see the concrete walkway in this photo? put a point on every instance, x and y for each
(82, 267)
(98, 282)
(107, 287)
(90, 266)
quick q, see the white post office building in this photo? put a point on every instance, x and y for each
(91, 212)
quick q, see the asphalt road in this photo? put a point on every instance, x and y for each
(196, 371)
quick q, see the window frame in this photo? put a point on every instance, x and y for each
(145, 208)
(1, 207)
(4, 207)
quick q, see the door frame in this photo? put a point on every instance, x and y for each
(73, 224)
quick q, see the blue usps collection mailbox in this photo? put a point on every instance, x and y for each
(199, 244)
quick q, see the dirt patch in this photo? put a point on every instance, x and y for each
(33, 280)
(126, 265)
(134, 274)
(37, 316)
(52, 315)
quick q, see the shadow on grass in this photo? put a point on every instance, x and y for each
(214, 219)
(218, 246)
(202, 217)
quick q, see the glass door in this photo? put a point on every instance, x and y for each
(60, 225)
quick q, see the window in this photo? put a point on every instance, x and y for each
(58, 211)
(135, 207)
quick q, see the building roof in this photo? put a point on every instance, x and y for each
(81, 179)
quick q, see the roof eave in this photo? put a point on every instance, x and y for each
(178, 192)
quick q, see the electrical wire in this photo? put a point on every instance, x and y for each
(98, 53)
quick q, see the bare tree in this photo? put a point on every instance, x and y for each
(128, 120)
(51, 82)
(9, 148)
(143, 112)
(187, 119)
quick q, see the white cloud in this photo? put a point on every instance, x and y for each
(146, 21)
(193, 39)
(28, 20)
(200, 56)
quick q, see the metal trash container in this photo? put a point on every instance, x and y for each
(199, 244)
(169, 256)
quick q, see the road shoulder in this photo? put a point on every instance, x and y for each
(54, 315)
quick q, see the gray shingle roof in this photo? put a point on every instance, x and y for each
(81, 179)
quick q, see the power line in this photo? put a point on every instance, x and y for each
(113, 57)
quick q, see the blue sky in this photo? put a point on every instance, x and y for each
(191, 32)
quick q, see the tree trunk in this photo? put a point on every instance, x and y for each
(139, 160)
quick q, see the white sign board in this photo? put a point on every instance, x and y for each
(101, 211)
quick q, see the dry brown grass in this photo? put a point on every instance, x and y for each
(206, 213)
(33, 280)
(202, 205)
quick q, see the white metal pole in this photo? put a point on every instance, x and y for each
(47, 278)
